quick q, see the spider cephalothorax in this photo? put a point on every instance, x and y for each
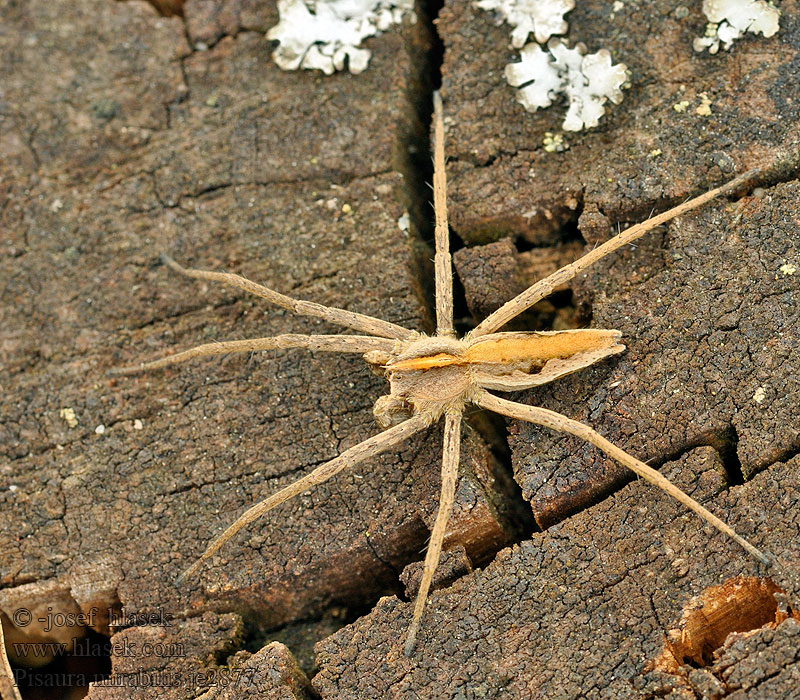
(437, 376)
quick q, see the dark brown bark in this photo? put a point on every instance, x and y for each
(124, 133)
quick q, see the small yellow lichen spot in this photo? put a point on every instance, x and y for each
(554, 143)
(655, 153)
(69, 416)
(681, 106)
(760, 395)
(346, 208)
(788, 269)
(704, 109)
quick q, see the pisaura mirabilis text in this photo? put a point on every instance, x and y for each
(437, 376)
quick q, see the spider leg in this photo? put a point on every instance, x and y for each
(341, 317)
(450, 456)
(358, 453)
(329, 343)
(443, 263)
(544, 287)
(556, 421)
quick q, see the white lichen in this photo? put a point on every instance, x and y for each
(587, 80)
(404, 222)
(326, 35)
(728, 20)
(542, 18)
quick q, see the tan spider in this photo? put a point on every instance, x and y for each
(437, 376)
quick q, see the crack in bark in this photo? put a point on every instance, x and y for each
(728, 441)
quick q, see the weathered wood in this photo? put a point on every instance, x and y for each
(198, 658)
(712, 355)
(496, 272)
(503, 182)
(121, 137)
(580, 610)
(226, 162)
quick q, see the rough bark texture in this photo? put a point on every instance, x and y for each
(494, 273)
(105, 168)
(503, 182)
(195, 654)
(579, 611)
(712, 355)
(124, 133)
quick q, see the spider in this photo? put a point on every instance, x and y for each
(438, 376)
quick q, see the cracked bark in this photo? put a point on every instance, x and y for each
(504, 183)
(227, 162)
(574, 612)
(688, 377)
(184, 451)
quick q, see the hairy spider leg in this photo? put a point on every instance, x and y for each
(443, 270)
(562, 424)
(341, 317)
(326, 343)
(450, 457)
(358, 453)
(443, 264)
(537, 291)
